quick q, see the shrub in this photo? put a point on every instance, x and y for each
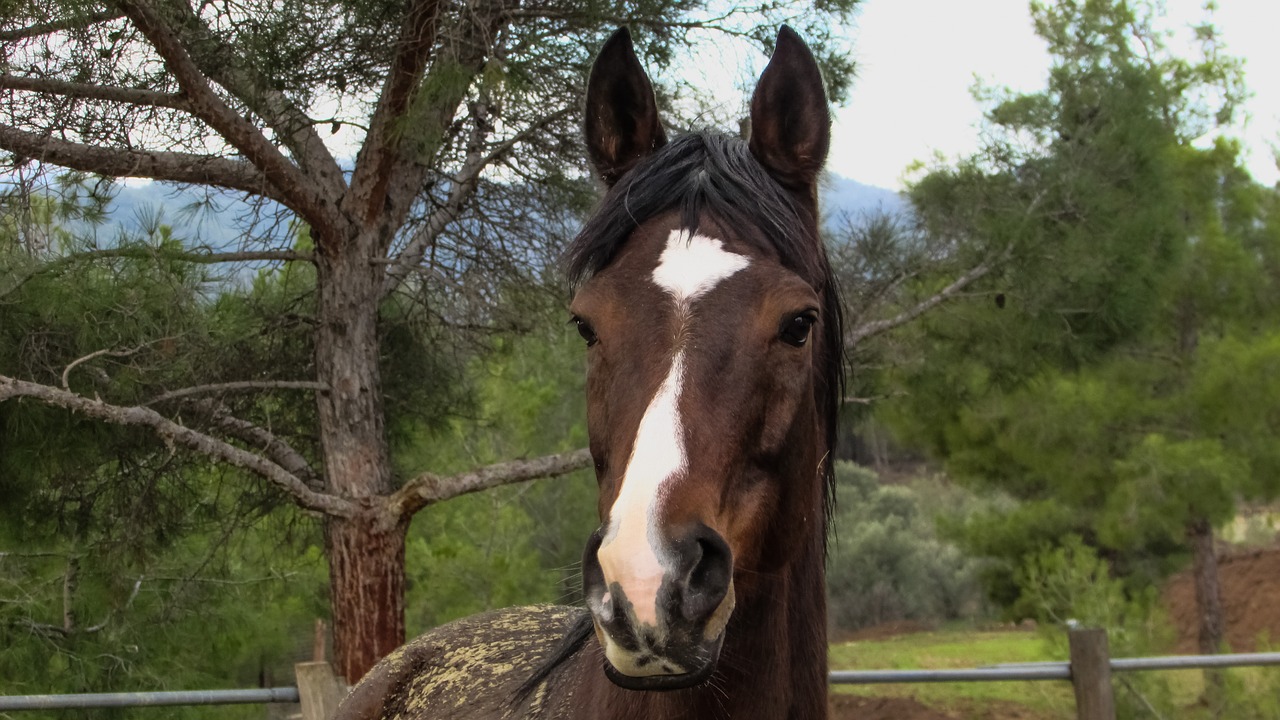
(886, 561)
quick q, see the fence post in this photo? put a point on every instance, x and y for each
(319, 690)
(1091, 674)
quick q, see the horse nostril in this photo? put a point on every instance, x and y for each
(709, 575)
(592, 573)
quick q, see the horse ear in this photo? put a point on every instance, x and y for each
(790, 122)
(622, 124)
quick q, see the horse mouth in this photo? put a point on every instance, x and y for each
(660, 682)
(703, 661)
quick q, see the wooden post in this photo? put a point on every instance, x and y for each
(317, 648)
(319, 690)
(1091, 674)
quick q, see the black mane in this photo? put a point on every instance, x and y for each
(699, 173)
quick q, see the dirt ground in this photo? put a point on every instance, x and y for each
(852, 707)
(1250, 594)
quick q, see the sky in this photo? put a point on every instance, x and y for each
(918, 60)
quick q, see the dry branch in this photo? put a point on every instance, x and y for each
(66, 372)
(464, 188)
(291, 125)
(71, 23)
(295, 190)
(870, 329)
(262, 440)
(131, 96)
(157, 165)
(174, 434)
(192, 256)
(379, 153)
(237, 387)
(428, 488)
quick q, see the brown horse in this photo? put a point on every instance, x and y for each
(713, 340)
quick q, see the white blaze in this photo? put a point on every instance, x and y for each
(632, 553)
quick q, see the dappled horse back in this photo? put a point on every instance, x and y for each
(472, 668)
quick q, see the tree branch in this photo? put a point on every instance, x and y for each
(70, 23)
(464, 188)
(262, 439)
(133, 595)
(66, 372)
(131, 96)
(379, 152)
(876, 327)
(391, 167)
(428, 488)
(174, 434)
(296, 190)
(236, 387)
(200, 257)
(157, 165)
(293, 126)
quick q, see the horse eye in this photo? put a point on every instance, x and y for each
(795, 329)
(584, 329)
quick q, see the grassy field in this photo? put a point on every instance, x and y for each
(958, 648)
(1254, 692)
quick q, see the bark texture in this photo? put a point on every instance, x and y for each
(1209, 604)
(366, 584)
(1208, 590)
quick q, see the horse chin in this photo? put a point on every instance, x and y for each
(668, 682)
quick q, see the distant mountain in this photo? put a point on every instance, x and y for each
(844, 197)
(217, 220)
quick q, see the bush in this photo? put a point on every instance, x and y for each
(886, 561)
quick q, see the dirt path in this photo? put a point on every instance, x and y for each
(1250, 595)
(853, 707)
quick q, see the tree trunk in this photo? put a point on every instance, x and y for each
(1209, 606)
(366, 553)
(1208, 591)
(366, 582)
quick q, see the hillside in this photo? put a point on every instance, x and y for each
(217, 219)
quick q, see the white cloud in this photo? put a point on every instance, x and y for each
(918, 60)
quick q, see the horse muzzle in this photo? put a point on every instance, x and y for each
(661, 624)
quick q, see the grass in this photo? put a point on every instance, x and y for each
(957, 648)
(1254, 692)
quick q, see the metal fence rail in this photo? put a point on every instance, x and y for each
(1049, 670)
(146, 699)
(319, 690)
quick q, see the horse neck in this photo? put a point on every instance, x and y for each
(775, 654)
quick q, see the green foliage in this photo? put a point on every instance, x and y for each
(509, 546)
(1069, 585)
(1076, 196)
(206, 612)
(1232, 391)
(230, 583)
(887, 562)
(1118, 386)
